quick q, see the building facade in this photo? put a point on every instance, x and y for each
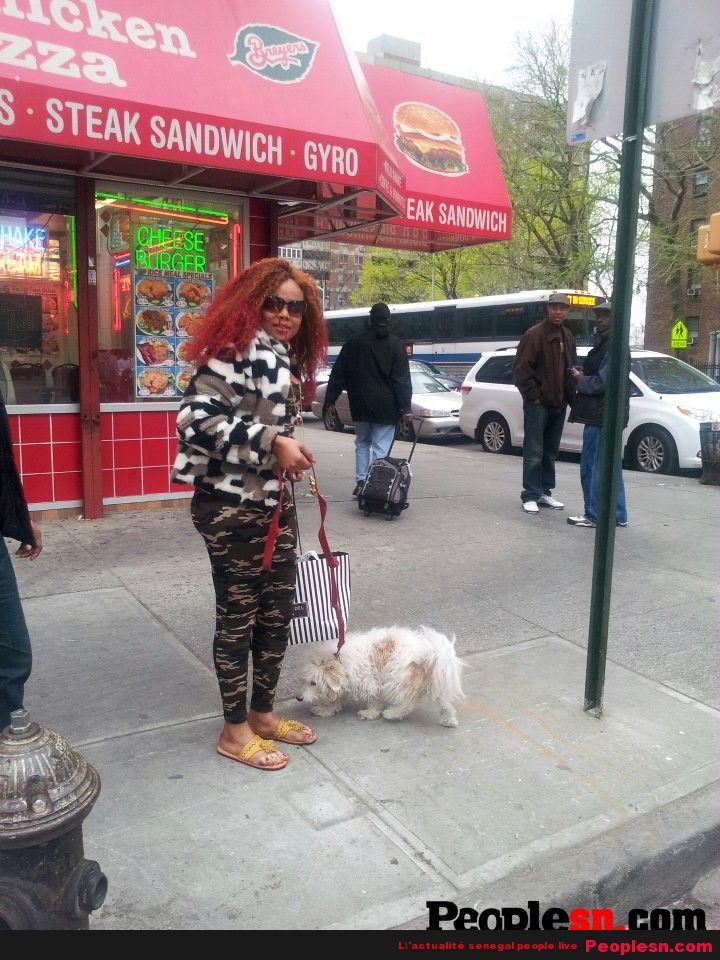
(686, 191)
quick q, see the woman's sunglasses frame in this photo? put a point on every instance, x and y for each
(296, 308)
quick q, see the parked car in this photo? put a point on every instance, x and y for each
(452, 383)
(668, 401)
(432, 402)
(322, 375)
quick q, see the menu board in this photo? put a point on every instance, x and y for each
(168, 309)
(30, 319)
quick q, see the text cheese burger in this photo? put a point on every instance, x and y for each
(429, 137)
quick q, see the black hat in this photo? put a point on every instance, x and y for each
(380, 311)
(603, 305)
(559, 298)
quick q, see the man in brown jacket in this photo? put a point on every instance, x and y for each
(541, 372)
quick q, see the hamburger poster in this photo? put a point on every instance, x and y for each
(443, 143)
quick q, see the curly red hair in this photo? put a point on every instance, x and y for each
(235, 313)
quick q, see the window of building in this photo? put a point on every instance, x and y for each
(693, 328)
(700, 182)
(704, 131)
(159, 260)
(694, 282)
(38, 290)
(290, 253)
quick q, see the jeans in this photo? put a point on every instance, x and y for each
(372, 442)
(590, 469)
(15, 653)
(543, 429)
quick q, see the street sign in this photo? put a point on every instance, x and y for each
(679, 336)
(684, 64)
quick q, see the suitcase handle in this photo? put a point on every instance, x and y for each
(417, 437)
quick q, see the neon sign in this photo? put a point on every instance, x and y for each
(166, 248)
(21, 248)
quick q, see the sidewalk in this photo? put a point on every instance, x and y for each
(528, 799)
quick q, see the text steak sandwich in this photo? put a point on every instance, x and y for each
(429, 137)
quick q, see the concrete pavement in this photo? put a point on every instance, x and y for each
(529, 798)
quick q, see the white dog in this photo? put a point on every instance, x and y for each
(387, 670)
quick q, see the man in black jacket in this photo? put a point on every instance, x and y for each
(588, 407)
(373, 367)
(15, 522)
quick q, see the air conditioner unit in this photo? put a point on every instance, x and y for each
(694, 290)
(692, 341)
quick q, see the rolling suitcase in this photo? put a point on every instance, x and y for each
(387, 485)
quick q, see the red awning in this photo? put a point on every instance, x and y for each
(443, 143)
(257, 96)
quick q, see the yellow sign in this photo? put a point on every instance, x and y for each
(584, 300)
(679, 336)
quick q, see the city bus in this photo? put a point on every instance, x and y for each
(454, 333)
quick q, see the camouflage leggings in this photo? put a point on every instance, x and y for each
(253, 607)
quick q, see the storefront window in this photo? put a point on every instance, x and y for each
(38, 295)
(159, 261)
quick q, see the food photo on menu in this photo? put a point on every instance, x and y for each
(192, 293)
(154, 320)
(157, 291)
(187, 322)
(156, 382)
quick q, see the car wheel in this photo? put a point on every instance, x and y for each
(405, 431)
(332, 421)
(493, 434)
(653, 450)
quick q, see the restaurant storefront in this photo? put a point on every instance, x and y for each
(142, 164)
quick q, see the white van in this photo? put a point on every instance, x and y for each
(668, 401)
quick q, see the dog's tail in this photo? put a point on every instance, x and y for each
(447, 675)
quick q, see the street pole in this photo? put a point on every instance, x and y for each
(636, 96)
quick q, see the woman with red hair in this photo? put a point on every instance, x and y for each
(263, 334)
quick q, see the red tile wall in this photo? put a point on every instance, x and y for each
(48, 453)
(137, 451)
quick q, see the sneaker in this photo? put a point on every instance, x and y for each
(358, 488)
(621, 523)
(530, 506)
(580, 522)
(547, 501)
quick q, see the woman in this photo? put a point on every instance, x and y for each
(15, 522)
(235, 426)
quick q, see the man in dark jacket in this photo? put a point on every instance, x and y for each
(541, 368)
(589, 407)
(373, 367)
(15, 522)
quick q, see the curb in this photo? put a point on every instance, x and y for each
(645, 863)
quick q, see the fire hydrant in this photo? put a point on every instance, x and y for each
(46, 791)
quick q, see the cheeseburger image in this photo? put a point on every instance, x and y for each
(429, 137)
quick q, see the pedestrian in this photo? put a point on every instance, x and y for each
(374, 369)
(541, 372)
(15, 523)
(264, 332)
(588, 408)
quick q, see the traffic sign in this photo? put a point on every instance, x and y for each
(679, 336)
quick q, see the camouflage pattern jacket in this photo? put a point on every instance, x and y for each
(228, 419)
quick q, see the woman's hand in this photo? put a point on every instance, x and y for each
(28, 552)
(292, 456)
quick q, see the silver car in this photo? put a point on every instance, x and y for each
(432, 403)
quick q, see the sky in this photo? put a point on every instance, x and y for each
(467, 38)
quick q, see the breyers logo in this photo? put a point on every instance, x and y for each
(273, 53)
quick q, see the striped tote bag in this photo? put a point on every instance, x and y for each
(315, 616)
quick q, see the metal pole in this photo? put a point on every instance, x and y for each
(636, 94)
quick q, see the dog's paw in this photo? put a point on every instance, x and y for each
(392, 713)
(369, 714)
(448, 721)
(323, 711)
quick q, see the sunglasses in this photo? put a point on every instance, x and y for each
(296, 308)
